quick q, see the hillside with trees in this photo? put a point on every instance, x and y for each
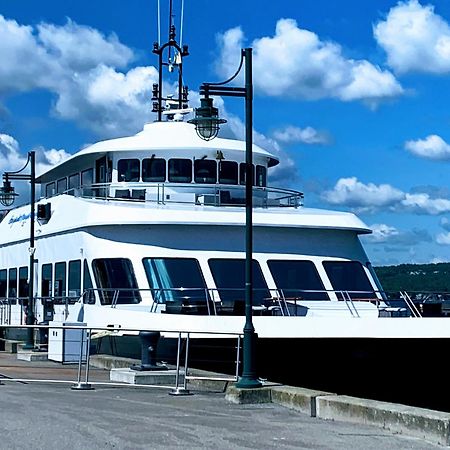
(415, 277)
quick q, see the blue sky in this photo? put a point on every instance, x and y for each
(352, 96)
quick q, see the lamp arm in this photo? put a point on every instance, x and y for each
(233, 77)
(7, 174)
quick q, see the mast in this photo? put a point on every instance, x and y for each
(175, 55)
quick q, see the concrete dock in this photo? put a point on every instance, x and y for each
(52, 416)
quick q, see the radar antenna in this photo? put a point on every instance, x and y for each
(173, 62)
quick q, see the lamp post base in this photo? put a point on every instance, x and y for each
(246, 382)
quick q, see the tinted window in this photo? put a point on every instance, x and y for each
(298, 279)
(23, 282)
(74, 181)
(154, 170)
(87, 283)
(242, 173)
(74, 278)
(261, 176)
(229, 276)
(50, 190)
(3, 283)
(128, 170)
(228, 172)
(12, 283)
(167, 276)
(180, 170)
(349, 276)
(46, 283)
(61, 186)
(205, 171)
(60, 279)
(115, 276)
(87, 179)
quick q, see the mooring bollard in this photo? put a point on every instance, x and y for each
(149, 345)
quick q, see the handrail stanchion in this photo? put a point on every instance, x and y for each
(180, 390)
(82, 386)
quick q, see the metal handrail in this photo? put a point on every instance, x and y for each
(216, 194)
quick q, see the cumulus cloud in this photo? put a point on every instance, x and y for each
(443, 238)
(386, 234)
(351, 192)
(83, 68)
(295, 62)
(307, 135)
(12, 158)
(415, 38)
(285, 170)
(354, 193)
(432, 147)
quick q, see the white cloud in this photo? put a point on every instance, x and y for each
(371, 197)
(443, 238)
(424, 204)
(432, 147)
(382, 233)
(12, 158)
(79, 65)
(386, 234)
(307, 135)
(353, 193)
(415, 38)
(296, 63)
(81, 47)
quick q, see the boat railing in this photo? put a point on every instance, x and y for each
(189, 193)
(231, 301)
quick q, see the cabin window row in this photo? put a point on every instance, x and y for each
(173, 279)
(183, 170)
(177, 279)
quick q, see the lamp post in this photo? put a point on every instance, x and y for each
(207, 123)
(7, 197)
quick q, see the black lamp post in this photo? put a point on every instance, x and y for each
(7, 197)
(207, 124)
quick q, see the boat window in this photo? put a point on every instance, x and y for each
(87, 284)
(228, 172)
(50, 190)
(128, 170)
(205, 171)
(74, 182)
(115, 277)
(74, 279)
(153, 170)
(12, 283)
(229, 277)
(349, 276)
(242, 174)
(175, 279)
(180, 170)
(87, 179)
(61, 186)
(298, 279)
(60, 280)
(3, 283)
(46, 283)
(23, 282)
(261, 176)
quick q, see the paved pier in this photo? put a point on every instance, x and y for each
(44, 416)
(52, 416)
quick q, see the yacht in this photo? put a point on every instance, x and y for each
(147, 232)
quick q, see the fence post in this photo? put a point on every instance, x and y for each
(83, 386)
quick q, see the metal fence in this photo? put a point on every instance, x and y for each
(76, 367)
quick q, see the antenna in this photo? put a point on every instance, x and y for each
(172, 64)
